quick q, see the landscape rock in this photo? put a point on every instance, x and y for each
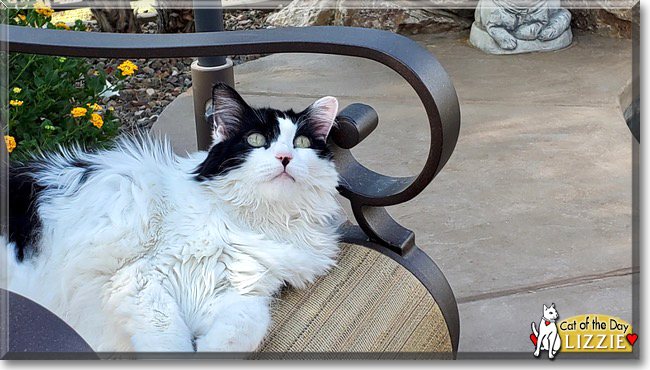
(405, 17)
(612, 18)
(602, 22)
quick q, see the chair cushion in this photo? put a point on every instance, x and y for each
(368, 306)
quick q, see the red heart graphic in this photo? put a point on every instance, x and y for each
(547, 322)
(632, 338)
(534, 339)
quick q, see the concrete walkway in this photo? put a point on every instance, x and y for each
(534, 206)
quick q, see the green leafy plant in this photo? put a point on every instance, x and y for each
(56, 100)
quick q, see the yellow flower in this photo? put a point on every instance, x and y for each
(78, 112)
(11, 143)
(63, 25)
(16, 103)
(127, 68)
(96, 120)
(94, 106)
(111, 109)
(43, 9)
(22, 17)
(17, 90)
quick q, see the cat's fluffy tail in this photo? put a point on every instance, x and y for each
(534, 329)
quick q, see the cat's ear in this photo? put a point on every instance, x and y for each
(228, 109)
(322, 115)
(545, 308)
(552, 305)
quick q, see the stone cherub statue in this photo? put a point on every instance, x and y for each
(520, 26)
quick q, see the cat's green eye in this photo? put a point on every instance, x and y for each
(256, 140)
(302, 142)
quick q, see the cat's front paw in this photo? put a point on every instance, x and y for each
(227, 343)
(161, 342)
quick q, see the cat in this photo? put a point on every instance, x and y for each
(547, 338)
(140, 250)
(509, 20)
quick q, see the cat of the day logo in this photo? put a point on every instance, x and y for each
(584, 333)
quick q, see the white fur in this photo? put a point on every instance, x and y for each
(141, 257)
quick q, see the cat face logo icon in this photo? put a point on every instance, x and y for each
(547, 337)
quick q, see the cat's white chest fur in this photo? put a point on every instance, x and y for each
(204, 263)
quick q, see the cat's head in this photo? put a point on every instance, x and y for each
(550, 312)
(276, 154)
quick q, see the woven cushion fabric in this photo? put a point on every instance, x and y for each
(368, 306)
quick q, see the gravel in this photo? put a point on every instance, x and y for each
(157, 82)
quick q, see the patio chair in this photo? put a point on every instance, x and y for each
(386, 298)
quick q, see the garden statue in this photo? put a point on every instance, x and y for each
(520, 26)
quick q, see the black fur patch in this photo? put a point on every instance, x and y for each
(231, 152)
(306, 128)
(24, 222)
(87, 167)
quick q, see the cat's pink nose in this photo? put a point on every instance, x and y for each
(284, 158)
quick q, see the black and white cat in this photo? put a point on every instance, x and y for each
(141, 250)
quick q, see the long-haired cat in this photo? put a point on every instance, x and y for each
(141, 250)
